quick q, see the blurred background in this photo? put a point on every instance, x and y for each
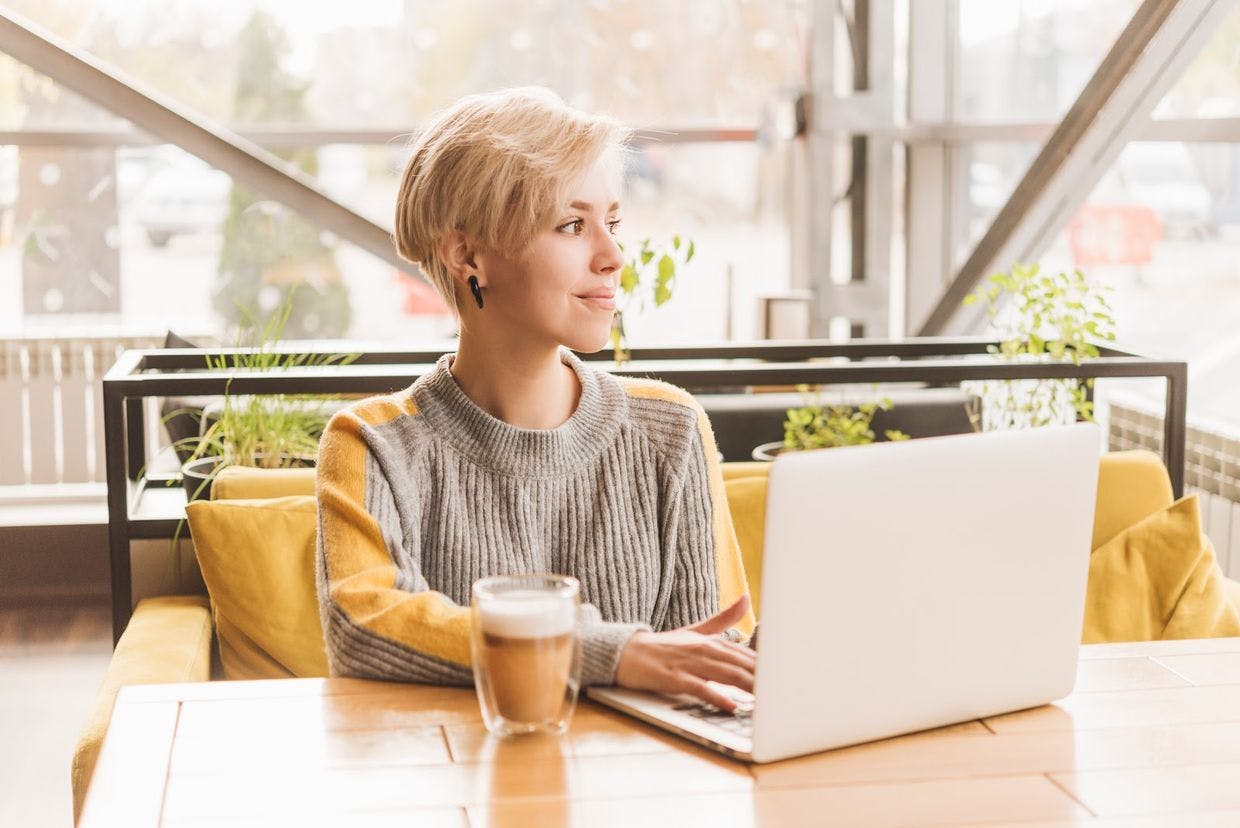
(105, 230)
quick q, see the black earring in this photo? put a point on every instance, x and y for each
(475, 290)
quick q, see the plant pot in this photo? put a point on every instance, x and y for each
(769, 451)
(198, 475)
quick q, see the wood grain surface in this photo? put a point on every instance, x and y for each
(1150, 736)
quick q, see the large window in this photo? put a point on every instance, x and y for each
(102, 228)
(1162, 226)
(1163, 230)
(1027, 60)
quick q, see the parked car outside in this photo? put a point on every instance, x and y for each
(1164, 177)
(185, 199)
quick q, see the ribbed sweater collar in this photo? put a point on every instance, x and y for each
(494, 444)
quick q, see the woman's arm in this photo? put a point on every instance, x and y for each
(376, 622)
(707, 573)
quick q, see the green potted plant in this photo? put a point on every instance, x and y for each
(261, 430)
(818, 425)
(654, 265)
(1040, 317)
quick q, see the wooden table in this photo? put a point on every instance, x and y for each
(1152, 731)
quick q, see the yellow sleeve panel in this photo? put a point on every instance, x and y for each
(360, 572)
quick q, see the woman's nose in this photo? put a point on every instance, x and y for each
(609, 258)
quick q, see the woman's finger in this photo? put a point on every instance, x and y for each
(743, 649)
(725, 674)
(734, 654)
(723, 619)
(698, 688)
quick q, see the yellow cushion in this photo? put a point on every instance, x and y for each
(745, 468)
(747, 503)
(1131, 486)
(168, 639)
(1158, 580)
(237, 482)
(257, 559)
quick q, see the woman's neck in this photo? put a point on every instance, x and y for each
(527, 387)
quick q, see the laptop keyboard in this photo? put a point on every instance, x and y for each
(740, 722)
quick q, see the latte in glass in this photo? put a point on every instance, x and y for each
(525, 652)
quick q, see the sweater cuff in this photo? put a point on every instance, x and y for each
(601, 643)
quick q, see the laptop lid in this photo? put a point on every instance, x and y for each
(911, 585)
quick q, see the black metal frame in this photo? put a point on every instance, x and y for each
(140, 374)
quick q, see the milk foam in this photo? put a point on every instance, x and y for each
(527, 614)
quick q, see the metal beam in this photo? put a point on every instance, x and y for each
(814, 175)
(75, 69)
(933, 31)
(918, 133)
(1146, 58)
(867, 114)
(292, 135)
(1193, 130)
(858, 194)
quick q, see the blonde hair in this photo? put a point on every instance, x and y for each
(497, 167)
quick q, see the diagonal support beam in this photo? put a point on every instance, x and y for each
(1146, 59)
(75, 69)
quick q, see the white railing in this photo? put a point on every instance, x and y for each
(1211, 468)
(51, 408)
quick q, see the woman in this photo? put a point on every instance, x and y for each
(512, 455)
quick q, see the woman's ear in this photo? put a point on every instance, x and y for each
(456, 251)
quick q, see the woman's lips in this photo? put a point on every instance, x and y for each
(601, 301)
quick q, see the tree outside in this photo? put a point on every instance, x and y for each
(269, 251)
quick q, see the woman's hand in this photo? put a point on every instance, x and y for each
(683, 660)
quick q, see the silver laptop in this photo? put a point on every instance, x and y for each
(907, 586)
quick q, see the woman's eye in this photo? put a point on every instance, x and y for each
(575, 227)
(612, 225)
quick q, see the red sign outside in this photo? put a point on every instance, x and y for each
(1114, 234)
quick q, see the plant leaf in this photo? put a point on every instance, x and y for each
(628, 278)
(663, 282)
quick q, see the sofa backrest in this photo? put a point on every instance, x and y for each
(243, 483)
(1131, 485)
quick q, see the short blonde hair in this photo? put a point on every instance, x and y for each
(497, 167)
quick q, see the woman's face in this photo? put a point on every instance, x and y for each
(562, 288)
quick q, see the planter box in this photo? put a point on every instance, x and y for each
(921, 376)
(742, 421)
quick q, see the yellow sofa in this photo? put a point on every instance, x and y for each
(169, 639)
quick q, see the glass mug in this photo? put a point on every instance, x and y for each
(527, 661)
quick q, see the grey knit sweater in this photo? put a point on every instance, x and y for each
(421, 493)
